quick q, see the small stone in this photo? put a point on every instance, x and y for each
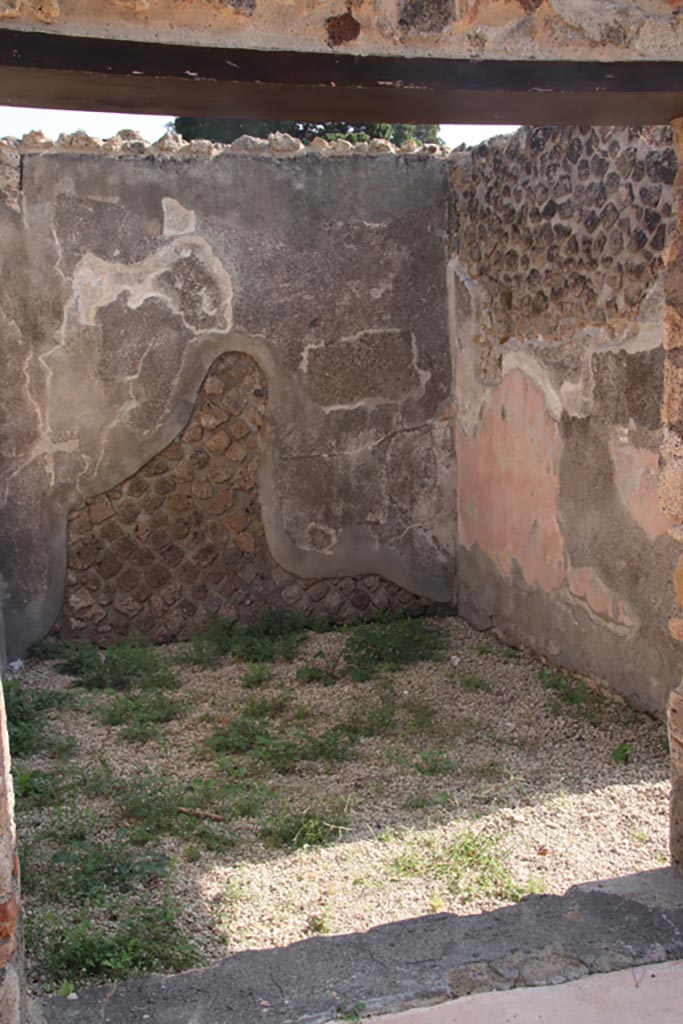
(341, 147)
(236, 521)
(127, 606)
(100, 511)
(320, 146)
(245, 542)
(282, 144)
(79, 141)
(237, 452)
(249, 144)
(169, 144)
(218, 442)
(35, 141)
(377, 147)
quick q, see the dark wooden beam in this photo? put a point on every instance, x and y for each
(48, 70)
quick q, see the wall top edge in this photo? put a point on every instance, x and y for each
(170, 145)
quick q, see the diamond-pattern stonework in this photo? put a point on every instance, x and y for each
(183, 539)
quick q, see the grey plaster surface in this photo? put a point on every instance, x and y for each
(123, 279)
(543, 940)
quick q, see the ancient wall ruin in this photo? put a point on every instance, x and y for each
(557, 306)
(342, 380)
(129, 272)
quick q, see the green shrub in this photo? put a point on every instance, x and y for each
(120, 667)
(567, 693)
(238, 736)
(35, 788)
(140, 715)
(389, 645)
(256, 675)
(474, 683)
(148, 939)
(25, 720)
(306, 828)
(315, 674)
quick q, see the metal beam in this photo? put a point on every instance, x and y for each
(46, 70)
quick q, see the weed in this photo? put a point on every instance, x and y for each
(35, 788)
(621, 753)
(261, 707)
(278, 752)
(470, 866)
(141, 714)
(332, 744)
(421, 714)
(24, 707)
(61, 745)
(45, 650)
(319, 924)
(238, 736)
(192, 854)
(420, 801)
(372, 719)
(96, 779)
(315, 674)
(571, 694)
(121, 666)
(276, 634)
(483, 648)
(89, 869)
(157, 806)
(350, 1013)
(256, 675)
(474, 683)
(434, 762)
(390, 644)
(510, 653)
(147, 939)
(307, 828)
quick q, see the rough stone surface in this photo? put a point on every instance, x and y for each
(542, 940)
(183, 538)
(557, 320)
(571, 30)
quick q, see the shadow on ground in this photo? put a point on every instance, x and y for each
(597, 927)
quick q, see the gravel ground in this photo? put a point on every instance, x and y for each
(499, 757)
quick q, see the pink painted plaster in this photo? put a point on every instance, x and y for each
(508, 485)
(636, 474)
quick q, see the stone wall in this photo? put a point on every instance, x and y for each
(557, 324)
(127, 272)
(522, 30)
(183, 538)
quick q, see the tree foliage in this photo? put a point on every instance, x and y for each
(228, 129)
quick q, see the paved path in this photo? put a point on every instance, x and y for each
(639, 995)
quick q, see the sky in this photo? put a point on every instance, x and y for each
(19, 120)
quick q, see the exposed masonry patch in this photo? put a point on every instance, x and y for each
(371, 368)
(183, 538)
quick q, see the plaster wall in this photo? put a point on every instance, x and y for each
(557, 307)
(125, 278)
(522, 30)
